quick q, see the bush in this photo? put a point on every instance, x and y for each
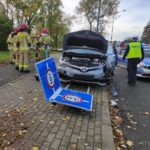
(5, 28)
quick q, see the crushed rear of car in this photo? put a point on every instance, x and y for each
(86, 57)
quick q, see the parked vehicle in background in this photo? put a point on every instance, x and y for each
(143, 68)
(86, 57)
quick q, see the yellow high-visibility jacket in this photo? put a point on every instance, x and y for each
(10, 43)
(15, 48)
(46, 40)
(23, 38)
(134, 50)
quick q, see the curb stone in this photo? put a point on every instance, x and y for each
(107, 134)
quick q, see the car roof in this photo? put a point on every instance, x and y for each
(85, 38)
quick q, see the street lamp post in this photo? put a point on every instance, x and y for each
(112, 30)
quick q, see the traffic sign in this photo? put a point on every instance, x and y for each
(53, 91)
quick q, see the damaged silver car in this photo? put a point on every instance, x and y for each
(86, 57)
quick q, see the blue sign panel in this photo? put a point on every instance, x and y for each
(48, 77)
(75, 98)
(53, 92)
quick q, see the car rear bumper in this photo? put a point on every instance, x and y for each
(142, 72)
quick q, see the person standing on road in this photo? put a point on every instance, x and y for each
(24, 44)
(134, 53)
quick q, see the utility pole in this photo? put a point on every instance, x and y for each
(112, 30)
(98, 15)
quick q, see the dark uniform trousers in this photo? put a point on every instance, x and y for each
(132, 68)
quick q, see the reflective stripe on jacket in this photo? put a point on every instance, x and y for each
(15, 43)
(10, 43)
(45, 40)
(134, 50)
(23, 39)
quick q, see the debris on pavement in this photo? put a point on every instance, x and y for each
(117, 120)
(114, 103)
(114, 91)
(11, 128)
(130, 143)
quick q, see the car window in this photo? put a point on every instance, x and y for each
(147, 53)
(122, 51)
(110, 49)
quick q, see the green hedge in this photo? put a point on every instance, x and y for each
(4, 55)
(5, 29)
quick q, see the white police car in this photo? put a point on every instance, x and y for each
(143, 68)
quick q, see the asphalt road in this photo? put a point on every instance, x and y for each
(134, 106)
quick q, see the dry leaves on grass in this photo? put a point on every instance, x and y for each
(11, 128)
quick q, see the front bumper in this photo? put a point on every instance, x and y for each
(143, 72)
(69, 74)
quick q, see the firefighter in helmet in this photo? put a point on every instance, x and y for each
(10, 47)
(46, 42)
(24, 44)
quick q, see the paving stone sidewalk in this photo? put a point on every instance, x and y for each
(57, 127)
(8, 74)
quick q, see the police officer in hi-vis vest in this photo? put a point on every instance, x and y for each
(134, 53)
(24, 44)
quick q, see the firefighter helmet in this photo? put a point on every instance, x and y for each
(45, 31)
(24, 26)
(17, 29)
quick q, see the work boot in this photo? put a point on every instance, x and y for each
(21, 70)
(17, 68)
(36, 77)
(26, 71)
(131, 82)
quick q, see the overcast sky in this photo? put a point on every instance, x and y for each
(129, 23)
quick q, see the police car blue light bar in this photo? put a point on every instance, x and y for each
(53, 91)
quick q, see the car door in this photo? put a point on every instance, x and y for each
(111, 58)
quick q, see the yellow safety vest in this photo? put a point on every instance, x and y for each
(134, 50)
(10, 43)
(23, 38)
(46, 39)
(15, 43)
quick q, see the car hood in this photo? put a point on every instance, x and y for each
(146, 61)
(85, 38)
(88, 53)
